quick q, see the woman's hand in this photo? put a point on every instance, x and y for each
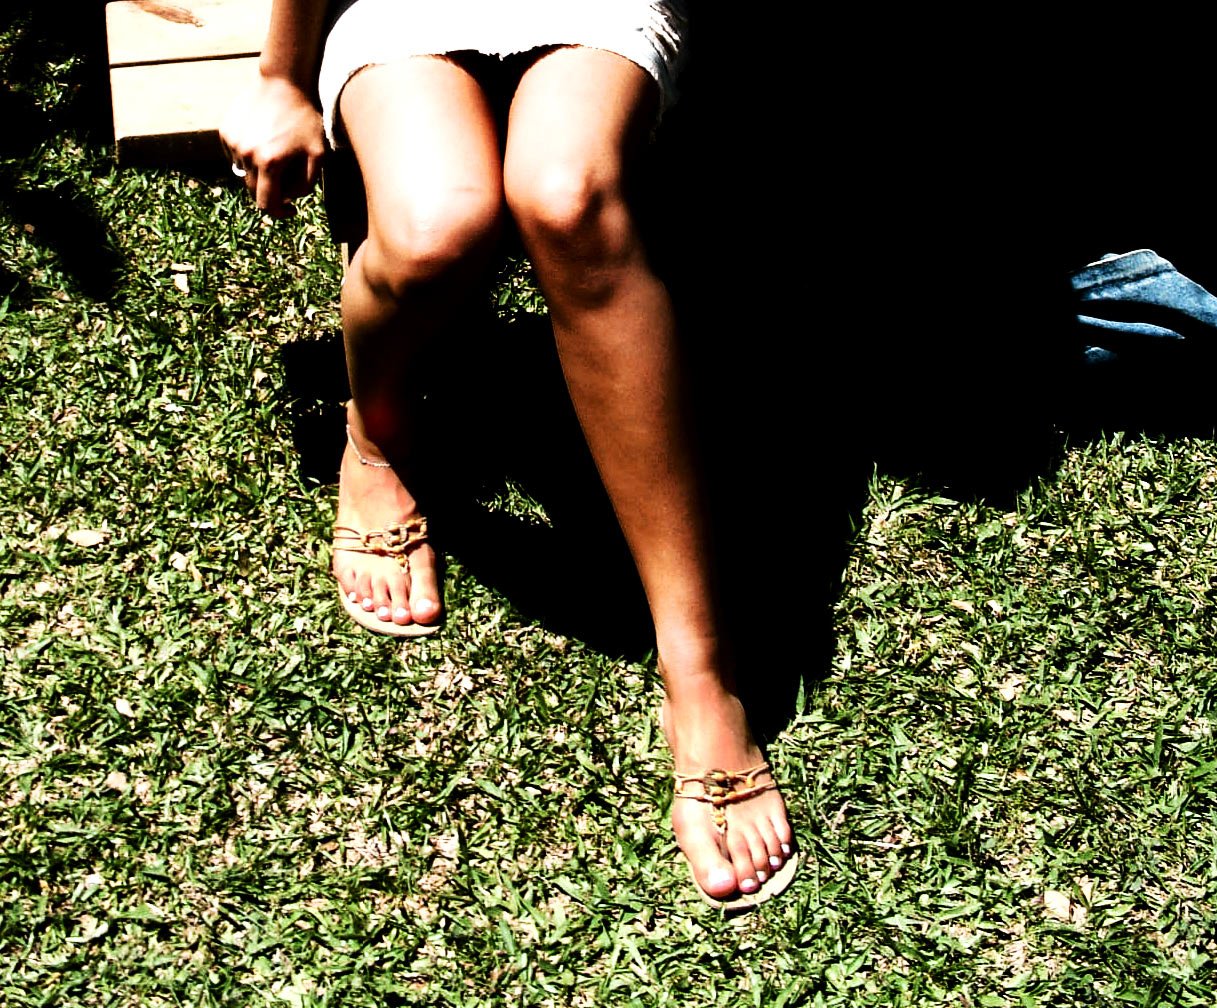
(275, 141)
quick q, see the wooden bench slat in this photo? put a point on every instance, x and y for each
(161, 31)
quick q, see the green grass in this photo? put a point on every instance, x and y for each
(214, 791)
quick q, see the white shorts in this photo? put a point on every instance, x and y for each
(650, 33)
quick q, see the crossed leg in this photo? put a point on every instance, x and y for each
(578, 122)
(427, 147)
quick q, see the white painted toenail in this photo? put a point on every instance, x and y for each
(775, 861)
(367, 604)
(400, 613)
(786, 849)
(761, 876)
(720, 877)
(382, 612)
(748, 885)
(352, 597)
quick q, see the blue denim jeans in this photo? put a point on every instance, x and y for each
(1137, 303)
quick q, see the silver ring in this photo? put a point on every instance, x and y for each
(237, 170)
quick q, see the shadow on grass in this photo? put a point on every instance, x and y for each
(39, 105)
(852, 304)
(830, 326)
(501, 414)
(43, 37)
(68, 225)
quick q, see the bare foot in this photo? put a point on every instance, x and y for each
(370, 496)
(707, 730)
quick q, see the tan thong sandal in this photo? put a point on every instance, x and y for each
(398, 541)
(720, 788)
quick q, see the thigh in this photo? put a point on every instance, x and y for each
(587, 110)
(424, 137)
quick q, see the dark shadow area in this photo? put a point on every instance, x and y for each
(869, 244)
(65, 222)
(870, 232)
(39, 103)
(48, 35)
(14, 288)
(26, 124)
(497, 412)
(315, 372)
(509, 415)
(775, 347)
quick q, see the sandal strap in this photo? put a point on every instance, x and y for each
(720, 788)
(396, 540)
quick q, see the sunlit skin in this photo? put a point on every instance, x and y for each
(577, 123)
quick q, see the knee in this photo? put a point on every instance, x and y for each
(431, 244)
(567, 214)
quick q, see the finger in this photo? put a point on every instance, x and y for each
(313, 171)
(293, 179)
(235, 152)
(268, 194)
(300, 174)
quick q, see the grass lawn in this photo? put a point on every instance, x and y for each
(215, 791)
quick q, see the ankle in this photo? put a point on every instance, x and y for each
(709, 730)
(376, 432)
(694, 667)
(373, 460)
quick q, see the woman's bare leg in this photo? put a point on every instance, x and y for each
(428, 151)
(578, 119)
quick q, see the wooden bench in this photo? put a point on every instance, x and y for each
(176, 66)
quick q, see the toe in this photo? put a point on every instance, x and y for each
(743, 860)
(776, 851)
(346, 584)
(397, 588)
(382, 601)
(711, 870)
(424, 591)
(783, 835)
(766, 843)
(758, 849)
(363, 591)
